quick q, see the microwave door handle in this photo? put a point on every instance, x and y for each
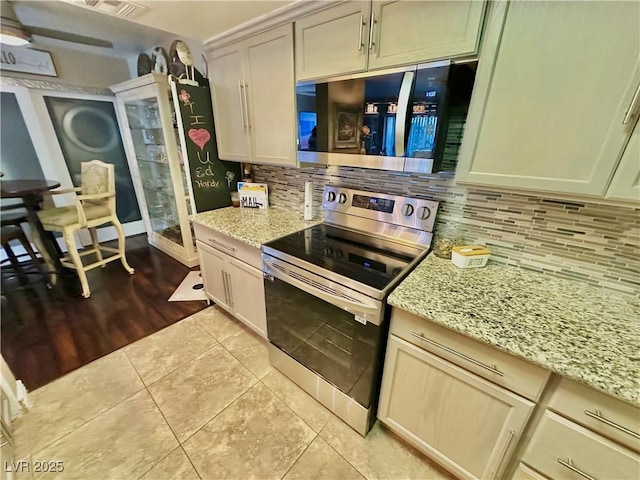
(359, 309)
(403, 111)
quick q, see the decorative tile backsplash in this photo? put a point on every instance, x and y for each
(577, 240)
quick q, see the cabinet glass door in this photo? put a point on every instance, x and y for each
(153, 163)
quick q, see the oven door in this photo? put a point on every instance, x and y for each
(310, 319)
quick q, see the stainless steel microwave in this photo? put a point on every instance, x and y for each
(407, 119)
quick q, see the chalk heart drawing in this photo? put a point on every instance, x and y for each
(199, 136)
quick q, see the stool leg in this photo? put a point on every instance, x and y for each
(27, 246)
(123, 258)
(16, 264)
(94, 241)
(77, 261)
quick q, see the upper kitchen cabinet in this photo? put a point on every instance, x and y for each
(555, 98)
(333, 41)
(407, 32)
(252, 87)
(358, 36)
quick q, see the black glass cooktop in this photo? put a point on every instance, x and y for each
(350, 254)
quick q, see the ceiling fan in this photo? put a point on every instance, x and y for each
(13, 32)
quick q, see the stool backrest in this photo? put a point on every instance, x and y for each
(99, 177)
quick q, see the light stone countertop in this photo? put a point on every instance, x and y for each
(253, 226)
(580, 331)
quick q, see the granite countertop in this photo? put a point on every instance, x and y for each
(253, 226)
(578, 330)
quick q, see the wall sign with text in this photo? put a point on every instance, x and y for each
(27, 60)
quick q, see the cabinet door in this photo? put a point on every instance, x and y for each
(410, 32)
(333, 41)
(626, 181)
(464, 422)
(270, 91)
(247, 291)
(212, 267)
(229, 103)
(548, 112)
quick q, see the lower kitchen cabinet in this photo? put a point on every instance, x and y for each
(233, 284)
(561, 449)
(464, 422)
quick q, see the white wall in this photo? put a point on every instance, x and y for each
(83, 67)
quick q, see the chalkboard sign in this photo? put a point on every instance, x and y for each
(212, 179)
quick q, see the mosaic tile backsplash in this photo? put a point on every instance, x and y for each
(583, 241)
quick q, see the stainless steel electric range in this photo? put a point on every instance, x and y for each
(326, 289)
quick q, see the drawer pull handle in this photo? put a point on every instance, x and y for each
(492, 368)
(222, 245)
(598, 416)
(634, 102)
(360, 44)
(570, 466)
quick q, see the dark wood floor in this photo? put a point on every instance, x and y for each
(47, 333)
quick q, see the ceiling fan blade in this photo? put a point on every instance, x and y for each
(68, 37)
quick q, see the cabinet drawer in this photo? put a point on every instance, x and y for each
(562, 449)
(599, 412)
(514, 374)
(228, 245)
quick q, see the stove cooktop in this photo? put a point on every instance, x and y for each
(356, 256)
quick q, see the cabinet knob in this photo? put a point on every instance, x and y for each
(407, 209)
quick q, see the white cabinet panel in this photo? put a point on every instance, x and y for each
(464, 422)
(247, 291)
(548, 115)
(226, 78)
(410, 32)
(626, 181)
(271, 96)
(333, 41)
(212, 268)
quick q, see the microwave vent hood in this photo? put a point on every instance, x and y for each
(407, 119)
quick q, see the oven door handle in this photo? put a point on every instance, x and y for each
(370, 313)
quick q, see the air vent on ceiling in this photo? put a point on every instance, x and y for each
(112, 7)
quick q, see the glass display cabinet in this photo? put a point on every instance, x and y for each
(160, 177)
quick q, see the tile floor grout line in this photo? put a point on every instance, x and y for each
(88, 421)
(299, 456)
(180, 443)
(294, 412)
(339, 454)
(181, 364)
(158, 462)
(221, 411)
(189, 458)
(163, 417)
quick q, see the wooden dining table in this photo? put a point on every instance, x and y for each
(30, 191)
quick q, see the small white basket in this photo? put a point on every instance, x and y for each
(470, 256)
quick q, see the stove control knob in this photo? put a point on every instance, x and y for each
(331, 196)
(407, 209)
(339, 254)
(328, 251)
(425, 213)
(342, 198)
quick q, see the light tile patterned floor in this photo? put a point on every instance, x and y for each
(200, 400)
